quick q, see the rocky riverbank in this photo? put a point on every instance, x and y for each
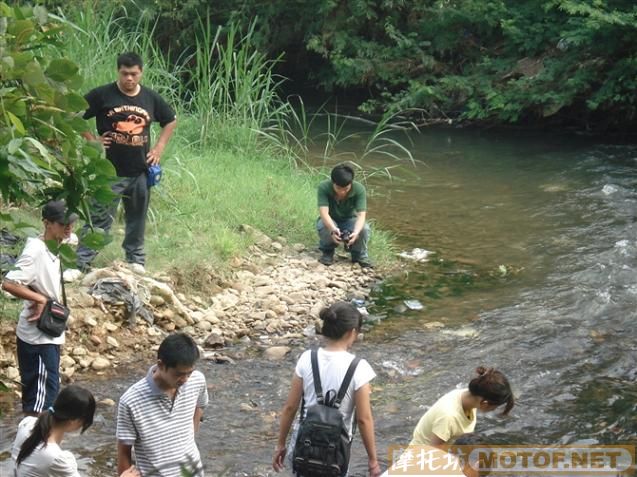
(271, 297)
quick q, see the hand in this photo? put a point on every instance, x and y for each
(353, 237)
(154, 155)
(279, 457)
(374, 469)
(106, 139)
(131, 472)
(36, 308)
(336, 235)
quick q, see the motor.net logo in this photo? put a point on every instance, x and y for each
(573, 460)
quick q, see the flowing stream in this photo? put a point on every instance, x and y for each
(534, 273)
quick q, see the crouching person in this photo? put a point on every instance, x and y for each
(159, 415)
(342, 204)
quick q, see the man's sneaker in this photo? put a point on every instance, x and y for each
(136, 268)
(327, 258)
(363, 262)
(71, 275)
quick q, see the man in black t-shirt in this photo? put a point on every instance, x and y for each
(123, 112)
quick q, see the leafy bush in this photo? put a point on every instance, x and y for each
(42, 152)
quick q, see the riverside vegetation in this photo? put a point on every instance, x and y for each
(240, 160)
(550, 62)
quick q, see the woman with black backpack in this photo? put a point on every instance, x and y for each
(320, 444)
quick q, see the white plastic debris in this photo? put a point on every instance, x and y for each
(416, 254)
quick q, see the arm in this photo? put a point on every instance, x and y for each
(154, 155)
(105, 139)
(365, 422)
(197, 418)
(124, 457)
(287, 416)
(21, 291)
(324, 213)
(438, 443)
(358, 226)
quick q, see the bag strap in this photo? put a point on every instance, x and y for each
(346, 381)
(318, 389)
(62, 281)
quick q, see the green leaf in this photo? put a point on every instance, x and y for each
(104, 195)
(76, 102)
(61, 69)
(14, 145)
(96, 240)
(21, 29)
(33, 75)
(67, 254)
(16, 122)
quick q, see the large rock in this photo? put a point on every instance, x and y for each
(277, 352)
(112, 342)
(79, 351)
(215, 340)
(100, 363)
(66, 362)
(204, 325)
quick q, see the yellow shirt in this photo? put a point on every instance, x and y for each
(445, 419)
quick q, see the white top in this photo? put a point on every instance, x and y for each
(332, 369)
(39, 269)
(46, 460)
(161, 430)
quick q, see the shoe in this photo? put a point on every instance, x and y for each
(72, 275)
(327, 258)
(137, 268)
(364, 262)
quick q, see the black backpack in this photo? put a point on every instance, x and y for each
(323, 445)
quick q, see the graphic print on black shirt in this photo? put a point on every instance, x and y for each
(127, 119)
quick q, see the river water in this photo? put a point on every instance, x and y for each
(534, 273)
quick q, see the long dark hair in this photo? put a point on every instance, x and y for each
(73, 402)
(340, 318)
(492, 385)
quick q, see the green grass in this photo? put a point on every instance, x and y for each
(204, 197)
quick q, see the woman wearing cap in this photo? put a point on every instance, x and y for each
(36, 279)
(36, 451)
(454, 413)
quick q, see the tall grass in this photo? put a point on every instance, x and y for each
(232, 84)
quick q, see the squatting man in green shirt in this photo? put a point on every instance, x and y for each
(342, 206)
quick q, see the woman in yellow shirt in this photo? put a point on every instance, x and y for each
(454, 413)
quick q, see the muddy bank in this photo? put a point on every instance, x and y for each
(271, 298)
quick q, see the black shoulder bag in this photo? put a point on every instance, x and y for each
(53, 319)
(323, 443)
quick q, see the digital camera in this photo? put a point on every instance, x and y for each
(345, 236)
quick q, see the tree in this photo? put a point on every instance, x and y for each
(42, 153)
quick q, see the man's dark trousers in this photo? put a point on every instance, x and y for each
(135, 195)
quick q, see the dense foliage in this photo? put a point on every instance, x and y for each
(42, 153)
(496, 61)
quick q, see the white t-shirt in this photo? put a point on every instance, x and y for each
(332, 369)
(44, 461)
(38, 269)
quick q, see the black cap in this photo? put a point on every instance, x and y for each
(56, 211)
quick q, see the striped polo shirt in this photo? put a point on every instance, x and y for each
(161, 430)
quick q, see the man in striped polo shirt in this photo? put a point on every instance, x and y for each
(159, 415)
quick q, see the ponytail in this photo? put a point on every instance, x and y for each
(340, 318)
(494, 387)
(40, 433)
(72, 403)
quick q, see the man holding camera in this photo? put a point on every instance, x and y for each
(342, 206)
